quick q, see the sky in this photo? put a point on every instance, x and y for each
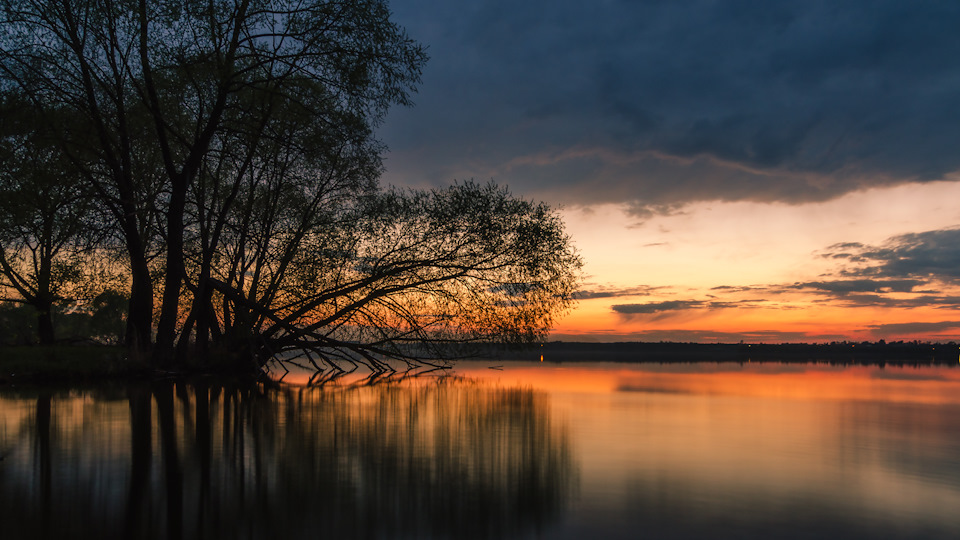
(765, 171)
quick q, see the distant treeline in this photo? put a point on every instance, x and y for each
(864, 353)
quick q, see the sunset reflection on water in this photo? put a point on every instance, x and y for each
(757, 450)
(495, 450)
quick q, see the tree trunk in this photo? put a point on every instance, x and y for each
(140, 308)
(170, 308)
(45, 324)
(203, 311)
(44, 299)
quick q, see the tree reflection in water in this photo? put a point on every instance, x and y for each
(427, 458)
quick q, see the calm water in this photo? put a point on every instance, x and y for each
(525, 451)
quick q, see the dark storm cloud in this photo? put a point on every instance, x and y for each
(666, 102)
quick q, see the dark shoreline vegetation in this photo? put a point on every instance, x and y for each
(41, 364)
(67, 363)
(844, 353)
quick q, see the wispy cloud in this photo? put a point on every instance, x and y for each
(891, 302)
(915, 328)
(661, 309)
(845, 286)
(614, 292)
(657, 307)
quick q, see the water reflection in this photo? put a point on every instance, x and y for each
(525, 450)
(429, 458)
(768, 451)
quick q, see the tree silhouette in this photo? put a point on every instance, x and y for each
(230, 145)
(45, 224)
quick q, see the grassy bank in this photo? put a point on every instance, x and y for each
(65, 362)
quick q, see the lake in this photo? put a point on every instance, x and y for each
(493, 450)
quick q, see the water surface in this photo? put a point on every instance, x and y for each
(521, 450)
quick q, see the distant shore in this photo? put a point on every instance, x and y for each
(867, 353)
(89, 363)
(66, 363)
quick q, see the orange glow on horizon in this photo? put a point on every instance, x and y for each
(742, 268)
(795, 320)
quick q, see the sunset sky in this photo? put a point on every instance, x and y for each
(766, 171)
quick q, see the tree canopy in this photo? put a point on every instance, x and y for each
(226, 148)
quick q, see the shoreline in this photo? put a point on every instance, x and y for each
(87, 363)
(869, 353)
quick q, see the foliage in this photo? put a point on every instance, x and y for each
(100, 320)
(227, 149)
(46, 226)
(17, 324)
(408, 274)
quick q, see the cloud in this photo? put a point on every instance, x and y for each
(657, 307)
(739, 288)
(915, 328)
(908, 271)
(920, 301)
(677, 306)
(663, 103)
(934, 254)
(905, 259)
(850, 251)
(603, 292)
(845, 286)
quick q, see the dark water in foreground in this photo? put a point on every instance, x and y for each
(528, 451)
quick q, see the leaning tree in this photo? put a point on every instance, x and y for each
(231, 143)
